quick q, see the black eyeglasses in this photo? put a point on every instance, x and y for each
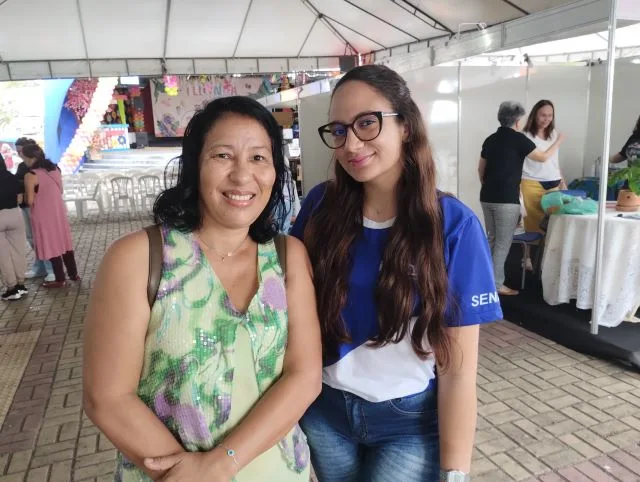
(366, 127)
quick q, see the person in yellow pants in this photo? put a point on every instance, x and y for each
(539, 178)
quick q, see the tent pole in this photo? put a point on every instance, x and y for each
(604, 166)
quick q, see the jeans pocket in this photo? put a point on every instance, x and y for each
(415, 405)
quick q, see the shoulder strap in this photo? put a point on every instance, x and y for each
(281, 247)
(155, 262)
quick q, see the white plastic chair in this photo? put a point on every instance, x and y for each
(149, 187)
(122, 190)
(89, 189)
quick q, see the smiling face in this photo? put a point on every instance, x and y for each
(236, 171)
(544, 117)
(370, 160)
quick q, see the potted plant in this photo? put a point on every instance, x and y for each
(629, 197)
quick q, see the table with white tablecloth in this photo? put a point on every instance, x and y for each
(568, 267)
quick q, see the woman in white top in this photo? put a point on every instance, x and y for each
(539, 178)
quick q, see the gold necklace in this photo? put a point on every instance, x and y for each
(220, 255)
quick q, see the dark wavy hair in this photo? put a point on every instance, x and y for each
(636, 130)
(532, 123)
(179, 206)
(24, 141)
(3, 165)
(416, 239)
(34, 151)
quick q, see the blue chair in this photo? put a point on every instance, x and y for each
(575, 192)
(526, 240)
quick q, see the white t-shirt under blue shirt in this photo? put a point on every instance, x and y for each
(394, 370)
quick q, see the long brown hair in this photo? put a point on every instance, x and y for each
(413, 261)
(532, 123)
(34, 151)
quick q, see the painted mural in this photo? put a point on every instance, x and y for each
(172, 113)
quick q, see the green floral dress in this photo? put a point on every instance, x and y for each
(206, 364)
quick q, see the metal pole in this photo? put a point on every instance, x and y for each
(604, 165)
(459, 133)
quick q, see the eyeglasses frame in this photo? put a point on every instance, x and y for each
(379, 114)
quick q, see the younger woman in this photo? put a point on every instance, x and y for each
(49, 221)
(539, 178)
(403, 276)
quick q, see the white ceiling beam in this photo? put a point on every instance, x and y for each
(65, 68)
(328, 24)
(331, 19)
(244, 23)
(415, 10)
(315, 20)
(84, 35)
(364, 10)
(167, 20)
(578, 18)
(517, 7)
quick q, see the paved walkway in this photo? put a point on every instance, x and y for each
(546, 412)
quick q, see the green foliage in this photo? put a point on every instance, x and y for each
(630, 174)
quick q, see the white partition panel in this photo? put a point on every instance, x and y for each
(482, 91)
(435, 90)
(315, 156)
(626, 109)
(568, 88)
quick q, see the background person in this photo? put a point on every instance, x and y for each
(540, 178)
(49, 221)
(40, 267)
(500, 172)
(12, 236)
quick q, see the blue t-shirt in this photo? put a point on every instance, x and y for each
(394, 370)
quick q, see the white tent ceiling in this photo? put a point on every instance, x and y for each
(74, 30)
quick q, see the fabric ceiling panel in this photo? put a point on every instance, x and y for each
(275, 28)
(360, 43)
(180, 66)
(211, 66)
(205, 28)
(454, 12)
(4, 72)
(109, 68)
(70, 69)
(144, 67)
(40, 30)
(362, 22)
(30, 70)
(323, 41)
(124, 29)
(399, 16)
(532, 6)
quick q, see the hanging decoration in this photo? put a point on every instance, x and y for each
(91, 120)
(170, 85)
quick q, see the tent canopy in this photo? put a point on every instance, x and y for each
(54, 30)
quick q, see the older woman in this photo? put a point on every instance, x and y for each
(500, 171)
(210, 383)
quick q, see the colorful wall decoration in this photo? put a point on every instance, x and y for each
(91, 118)
(172, 113)
(111, 137)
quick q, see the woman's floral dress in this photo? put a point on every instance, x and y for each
(206, 364)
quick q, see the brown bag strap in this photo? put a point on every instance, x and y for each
(155, 262)
(281, 247)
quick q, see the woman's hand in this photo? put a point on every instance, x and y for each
(214, 466)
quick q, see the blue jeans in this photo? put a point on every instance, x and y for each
(353, 440)
(40, 267)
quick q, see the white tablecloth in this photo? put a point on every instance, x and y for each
(568, 267)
